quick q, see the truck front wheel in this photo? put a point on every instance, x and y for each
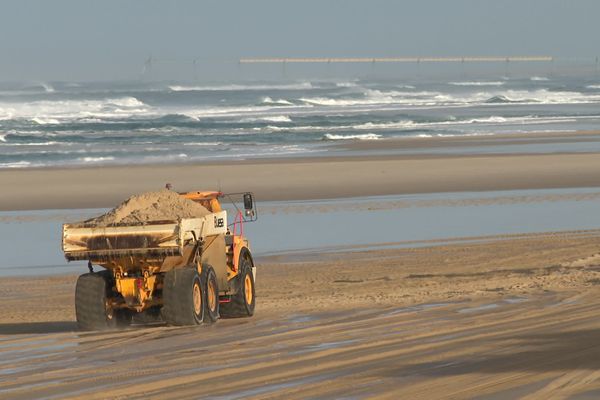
(243, 302)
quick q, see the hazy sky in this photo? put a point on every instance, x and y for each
(110, 39)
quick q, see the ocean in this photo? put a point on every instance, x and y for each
(73, 124)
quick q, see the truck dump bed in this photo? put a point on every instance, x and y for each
(153, 239)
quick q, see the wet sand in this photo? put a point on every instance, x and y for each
(331, 176)
(490, 318)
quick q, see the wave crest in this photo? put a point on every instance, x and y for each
(95, 159)
(240, 87)
(366, 136)
(279, 102)
(477, 83)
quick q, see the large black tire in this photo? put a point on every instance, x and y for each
(243, 302)
(92, 303)
(183, 297)
(190, 298)
(209, 279)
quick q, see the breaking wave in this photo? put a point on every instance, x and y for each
(274, 118)
(48, 88)
(236, 87)
(45, 112)
(95, 159)
(17, 164)
(279, 102)
(477, 83)
(45, 121)
(150, 123)
(277, 118)
(367, 136)
(424, 98)
(346, 84)
(499, 100)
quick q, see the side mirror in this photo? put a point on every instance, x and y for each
(248, 201)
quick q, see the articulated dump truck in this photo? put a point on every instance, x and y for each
(183, 271)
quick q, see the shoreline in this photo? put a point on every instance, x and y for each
(479, 263)
(357, 147)
(324, 178)
(339, 174)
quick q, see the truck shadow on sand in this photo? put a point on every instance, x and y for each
(38, 327)
(561, 351)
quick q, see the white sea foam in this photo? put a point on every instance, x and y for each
(281, 102)
(370, 97)
(92, 120)
(203, 144)
(493, 119)
(545, 96)
(51, 143)
(384, 125)
(45, 121)
(413, 125)
(367, 136)
(273, 118)
(278, 118)
(593, 86)
(431, 135)
(393, 97)
(432, 99)
(46, 112)
(95, 159)
(5, 114)
(346, 84)
(47, 87)
(17, 164)
(3, 138)
(409, 124)
(126, 102)
(239, 87)
(477, 83)
(539, 78)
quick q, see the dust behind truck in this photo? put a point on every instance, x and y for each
(164, 256)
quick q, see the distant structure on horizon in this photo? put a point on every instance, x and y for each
(395, 59)
(202, 67)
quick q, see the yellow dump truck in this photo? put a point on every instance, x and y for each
(185, 271)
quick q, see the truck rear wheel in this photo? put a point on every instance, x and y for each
(183, 297)
(190, 298)
(243, 302)
(93, 309)
(212, 294)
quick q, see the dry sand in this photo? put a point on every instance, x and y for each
(319, 177)
(497, 317)
(150, 206)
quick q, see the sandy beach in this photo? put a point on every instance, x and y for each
(492, 316)
(502, 317)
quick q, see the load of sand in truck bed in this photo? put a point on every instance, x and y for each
(151, 206)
